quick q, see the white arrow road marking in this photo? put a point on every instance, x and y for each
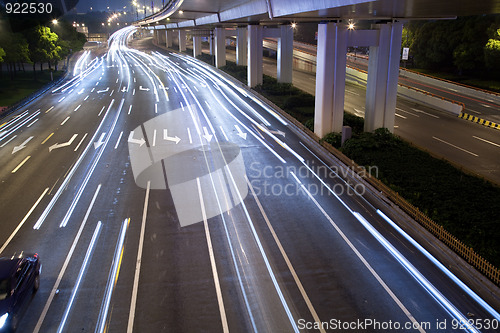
(22, 145)
(240, 132)
(207, 136)
(175, 139)
(80, 92)
(66, 144)
(100, 142)
(132, 140)
(124, 89)
(101, 91)
(145, 89)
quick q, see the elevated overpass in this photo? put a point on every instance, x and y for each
(252, 20)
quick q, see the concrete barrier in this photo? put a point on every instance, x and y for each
(430, 100)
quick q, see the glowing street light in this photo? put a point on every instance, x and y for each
(350, 26)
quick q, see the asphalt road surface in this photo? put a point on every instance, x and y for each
(163, 198)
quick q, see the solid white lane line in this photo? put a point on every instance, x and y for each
(487, 141)
(65, 120)
(224, 133)
(78, 146)
(408, 112)
(119, 138)
(86, 260)
(225, 327)
(66, 263)
(359, 255)
(133, 301)
(23, 220)
(457, 147)
(287, 260)
(21, 164)
(112, 278)
(426, 113)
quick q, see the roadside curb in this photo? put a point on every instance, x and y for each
(479, 121)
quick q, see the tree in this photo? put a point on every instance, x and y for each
(492, 52)
(16, 50)
(43, 45)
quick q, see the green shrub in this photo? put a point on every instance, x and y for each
(334, 139)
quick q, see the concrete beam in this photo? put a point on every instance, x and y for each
(330, 78)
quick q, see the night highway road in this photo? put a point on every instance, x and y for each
(162, 197)
(468, 145)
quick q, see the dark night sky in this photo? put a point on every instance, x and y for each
(84, 6)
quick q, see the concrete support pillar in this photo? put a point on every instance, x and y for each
(169, 34)
(330, 78)
(155, 36)
(211, 43)
(241, 46)
(196, 46)
(285, 54)
(254, 55)
(161, 37)
(220, 47)
(382, 82)
(182, 40)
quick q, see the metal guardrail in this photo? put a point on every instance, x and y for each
(464, 251)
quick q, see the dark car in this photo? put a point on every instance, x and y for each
(19, 280)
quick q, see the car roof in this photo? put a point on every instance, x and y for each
(8, 266)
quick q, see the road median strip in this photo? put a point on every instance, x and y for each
(479, 121)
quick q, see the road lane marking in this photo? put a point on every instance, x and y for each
(133, 301)
(5, 143)
(119, 138)
(426, 113)
(156, 108)
(154, 138)
(486, 105)
(65, 120)
(189, 135)
(86, 98)
(220, 301)
(224, 133)
(287, 260)
(129, 109)
(66, 263)
(78, 145)
(77, 108)
(70, 173)
(60, 100)
(112, 278)
(49, 109)
(21, 164)
(350, 92)
(83, 268)
(101, 110)
(400, 116)
(476, 112)
(47, 139)
(359, 255)
(23, 221)
(450, 144)
(408, 112)
(491, 143)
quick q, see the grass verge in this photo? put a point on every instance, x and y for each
(23, 85)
